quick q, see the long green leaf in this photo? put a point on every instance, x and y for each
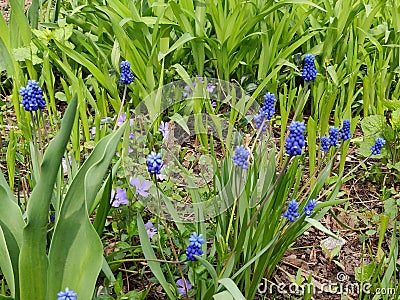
(76, 251)
(33, 260)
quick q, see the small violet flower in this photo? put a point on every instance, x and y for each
(377, 147)
(126, 76)
(295, 141)
(310, 207)
(154, 163)
(119, 197)
(122, 119)
(151, 229)
(142, 188)
(194, 248)
(164, 129)
(241, 157)
(67, 295)
(181, 286)
(309, 71)
(291, 212)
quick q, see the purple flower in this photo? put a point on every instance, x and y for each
(142, 188)
(309, 71)
(210, 87)
(181, 286)
(377, 147)
(93, 130)
(151, 229)
(32, 96)
(106, 120)
(130, 150)
(310, 207)
(122, 119)
(241, 157)
(164, 129)
(131, 136)
(295, 141)
(186, 92)
(119, 197)
(64, 164)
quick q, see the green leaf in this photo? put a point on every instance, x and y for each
(181, 121)
(182, 40)
(76, 248)
(149, 254)
(210, 270)
(33, 260)
(395, 119)
(225, 295)
(321, 227)
(104, 208)
(230, 285)
(373, 126)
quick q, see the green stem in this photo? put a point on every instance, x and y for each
(121, 107)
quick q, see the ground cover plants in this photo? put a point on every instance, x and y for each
(188, 149)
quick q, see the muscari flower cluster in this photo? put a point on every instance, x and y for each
(241, 157)
(267, 110)
(377, 147)
(126, 76)
(67, 295)
(295, 141)
(32, 96)
(333, 139)
(154, 163)
(309, 70)
(194, 248)
(292, 210)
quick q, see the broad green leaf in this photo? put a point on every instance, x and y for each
(33, 260)
(225, 295)
(230, 285)
(76, 247)
(373, 126)
(6, 264)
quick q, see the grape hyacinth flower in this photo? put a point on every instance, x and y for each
(142, 188)
(291, 212)
(333, 136)
(194, 248)
(164, 129)
(32, 96)
(259, 119)
(241, 157)
(268, 108)
(309, 71)
(324, 144)
(310, 207)
(154, 163)
(377, 147)
(126, 76)
(345, 132)
(67, 295)
(295, 141)
(181, 286)
(151, 229)
(119, 197)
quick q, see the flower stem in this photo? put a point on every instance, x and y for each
(121, 107)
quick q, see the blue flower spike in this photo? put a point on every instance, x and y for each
(333, 136)
(309, 71)
(295, 141)
(32, 96)
(241, 157)
(345, 132)
(377, 147)
(308, 209)
(67, 295)
(126, 76)
(194, 248)
(267, 110)
(324, 144)
(154, 163)
(291, 214)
